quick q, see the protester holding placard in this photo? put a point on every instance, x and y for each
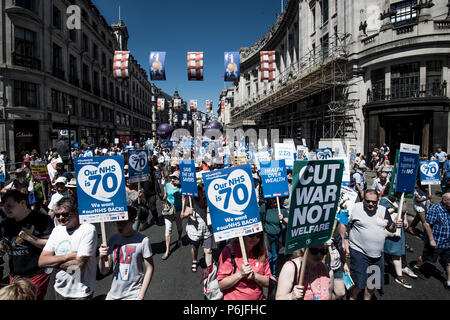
(317, 282)
(172, 196)
(422, 201)
(197, 229)
(129, 253)
(244, 281)
(71, 250)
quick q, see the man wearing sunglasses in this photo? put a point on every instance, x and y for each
(366, 228)
(71, 250)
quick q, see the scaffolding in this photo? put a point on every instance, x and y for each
(322, 70)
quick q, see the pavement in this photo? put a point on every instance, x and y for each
(174, 280)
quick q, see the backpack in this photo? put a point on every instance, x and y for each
(211, 289)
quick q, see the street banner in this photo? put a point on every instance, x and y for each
(120, 66)
(232, 66)
(193, 106)
(302, 153)
(274, 179)
(195, 66)
(347, 201)
(137, 166)
(161, 104)
(40, 172)
(188, 178)
(324, 154)
(101, 189)
(268, 66)
(429, 172)
(177, 104)
(407, 168)
(208, 106)
(157, 66)
(316, 189)
(286, 152)
(232, 202)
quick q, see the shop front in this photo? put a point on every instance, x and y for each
(26, 138)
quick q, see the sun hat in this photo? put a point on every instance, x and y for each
(61, 180)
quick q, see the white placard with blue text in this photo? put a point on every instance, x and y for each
(286, 152)
(188, 178)
(137, 165)
(274, 179)
(232, 202)
(101, 189)
(429, 172)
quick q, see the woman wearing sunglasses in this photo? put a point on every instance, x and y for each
(244, 281)
(317, 278)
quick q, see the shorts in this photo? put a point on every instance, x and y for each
(205, 243)
(365, 270)
(169, 220)
(41, 282)
(339, 273)
(431, 254)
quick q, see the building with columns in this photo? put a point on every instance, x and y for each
(369, 71)
(52, 76)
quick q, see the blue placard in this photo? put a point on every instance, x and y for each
(88, 153)
(232, 202)
(137, 166)
(274, 179)
(407, 172)
(101, 189)
(342, 217)
(169, 145)
(429, 172)
(324, 154)
(188, 178)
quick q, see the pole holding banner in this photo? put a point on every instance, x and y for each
(103, 229)
(303, 268)
(244, 253)
(398, 232)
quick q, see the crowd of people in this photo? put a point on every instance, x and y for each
(41, 233)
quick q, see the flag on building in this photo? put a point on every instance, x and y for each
(193, 105)
(268, 66)
(195, 66)
(232, 66)
(120, 66)
(177, 104)
(161, 103)
(157, 66)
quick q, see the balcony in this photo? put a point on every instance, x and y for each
(86, 86)
(59, 73)
(436, 89)
(26, 61)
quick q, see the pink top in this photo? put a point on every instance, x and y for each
(316, 282)
(245, 289)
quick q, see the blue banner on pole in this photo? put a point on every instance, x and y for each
(274, 179)
(157, 66)
(137, 165)
(188, 178)
(408, 162)
(101, 189)
(232, 202)
(232, 66)
(429, 172)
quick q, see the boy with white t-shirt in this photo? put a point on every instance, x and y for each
(71, 250)
(128, 253)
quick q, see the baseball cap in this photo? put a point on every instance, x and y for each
(176, 174)
(61, 180)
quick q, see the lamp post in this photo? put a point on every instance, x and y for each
(69, 113)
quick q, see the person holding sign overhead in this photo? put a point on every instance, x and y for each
(316, 282)
(240, 280)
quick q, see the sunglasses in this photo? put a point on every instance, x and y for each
(64, 214)
(315, 251)
(371, 202)
(255, 235)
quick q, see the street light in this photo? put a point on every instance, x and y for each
(69, 113)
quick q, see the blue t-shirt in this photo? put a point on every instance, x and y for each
(447, 169)
(174, 196)
(440, 156)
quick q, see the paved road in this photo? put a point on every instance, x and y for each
(173, 279)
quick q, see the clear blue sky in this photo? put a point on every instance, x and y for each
(179, 26)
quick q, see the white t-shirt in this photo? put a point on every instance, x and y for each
(73, 283)
(128, 256)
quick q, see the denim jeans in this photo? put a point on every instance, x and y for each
(273, 244)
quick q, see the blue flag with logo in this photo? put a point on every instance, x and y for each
(101, 189)
(157, 66)
(137, 165)
(274, 179)
(324, 154)
(188, 178)
(232, 202)
(232, 66)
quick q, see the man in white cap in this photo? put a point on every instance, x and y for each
(61, 192)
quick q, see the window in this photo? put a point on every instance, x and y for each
(324, 7)
(434, 78)
(404, 12)
(85, 43)
(73, 35)
(378, 84)
(73, 70)
(95, 51)
(25, 49)
(55, 101)
(27, 4)
(57, 62)
(405, 80)
(314, 18)
(56, 18)
(103, 59)
(325, 46)
(25, 94)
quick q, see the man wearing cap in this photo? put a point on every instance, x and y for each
(61, 192)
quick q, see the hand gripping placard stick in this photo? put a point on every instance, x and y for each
(103, 229)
